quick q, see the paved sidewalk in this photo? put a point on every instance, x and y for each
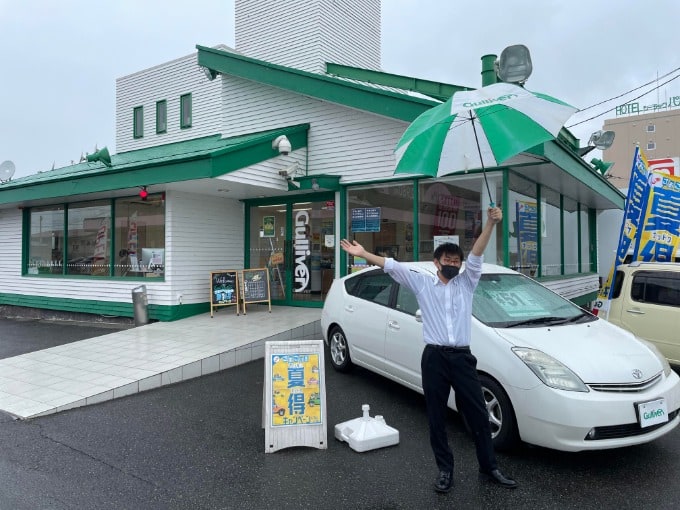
(126, 362)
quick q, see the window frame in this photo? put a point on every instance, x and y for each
(161, 107)
(185, 101)
(138, 123)
(651, 145)
(48, 271)
(652, 130)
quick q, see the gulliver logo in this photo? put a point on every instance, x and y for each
(653, 414)
(488, 102)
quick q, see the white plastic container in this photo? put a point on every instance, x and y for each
(366, 433)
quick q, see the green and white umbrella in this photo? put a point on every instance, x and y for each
(479, 129)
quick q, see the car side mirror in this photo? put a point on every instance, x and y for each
(419, 316)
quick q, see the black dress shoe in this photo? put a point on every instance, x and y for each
(499, 478)
(444, 482)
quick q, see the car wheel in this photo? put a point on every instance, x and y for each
(501, 414)
(339, 349)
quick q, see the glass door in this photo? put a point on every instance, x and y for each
(312, 261)
(296, 242)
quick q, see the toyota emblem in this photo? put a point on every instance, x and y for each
(637, 373)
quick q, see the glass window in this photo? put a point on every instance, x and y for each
(185, 111)
(511, 300)
(381, 219)
(651, 145)
(375, 287)
(85, 244)
(406, 301)
(448, 208)
(46, 244)
(161, 116)
(656, 288)
(523, 223)
(570, 217)
(89, 239)
(651, 128)
(551, 233)
(585, 239)
(138, 122)
(140, 236)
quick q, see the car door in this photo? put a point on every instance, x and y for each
(365, 315)
(404, 339)
(653, 310)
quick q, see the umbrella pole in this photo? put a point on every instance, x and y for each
(479, 151)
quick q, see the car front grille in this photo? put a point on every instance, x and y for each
(627, 430)
(626, 387)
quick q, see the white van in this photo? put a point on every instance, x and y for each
(646, 301)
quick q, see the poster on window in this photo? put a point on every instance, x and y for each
(99, 257)
(446, 215)
(527, 242)
(365, 219)
(268, 226)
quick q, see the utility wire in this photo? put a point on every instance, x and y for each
(632, 90)
(633, 99)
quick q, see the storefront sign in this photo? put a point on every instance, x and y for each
(302, 251)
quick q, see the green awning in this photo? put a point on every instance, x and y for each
(199, 158)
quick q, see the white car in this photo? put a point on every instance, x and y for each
(552, 374)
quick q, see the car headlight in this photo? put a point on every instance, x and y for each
(550, 371)
(664, 362)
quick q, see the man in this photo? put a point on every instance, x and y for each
(446, 306)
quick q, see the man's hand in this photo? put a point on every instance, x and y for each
(357, 250)
(352, 248)
(495, 215)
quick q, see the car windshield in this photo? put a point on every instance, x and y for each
(513, 300)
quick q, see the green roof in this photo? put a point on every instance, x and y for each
(396, 105)
(198, 158)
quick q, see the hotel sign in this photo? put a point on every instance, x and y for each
(637, 108)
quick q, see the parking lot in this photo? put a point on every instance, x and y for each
(199, 444)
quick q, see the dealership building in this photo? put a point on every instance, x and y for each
(265, 156)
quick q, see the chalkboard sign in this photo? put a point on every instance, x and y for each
(224, 289)
(256, 287)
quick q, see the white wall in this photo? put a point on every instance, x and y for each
(204, 234)
(342, 141)
(307, 34)
(168, 82)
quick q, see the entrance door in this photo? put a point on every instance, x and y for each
(296, 241)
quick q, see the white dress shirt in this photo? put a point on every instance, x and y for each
(446, 309)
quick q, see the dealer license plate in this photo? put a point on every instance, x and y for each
(651, 413)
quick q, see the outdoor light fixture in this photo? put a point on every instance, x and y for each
(211, 74)
(514, 66)
(601, 166)
(143, 193)
(598, 140)
(315, 185)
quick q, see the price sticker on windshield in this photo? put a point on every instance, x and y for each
(517, 303)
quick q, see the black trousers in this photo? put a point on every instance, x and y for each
(441, 369)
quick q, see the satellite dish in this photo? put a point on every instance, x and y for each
(7, 169)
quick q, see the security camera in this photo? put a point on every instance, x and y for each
(283, 144)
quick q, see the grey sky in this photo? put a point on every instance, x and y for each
(60, 59)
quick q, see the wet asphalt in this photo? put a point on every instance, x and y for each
(199, 445)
